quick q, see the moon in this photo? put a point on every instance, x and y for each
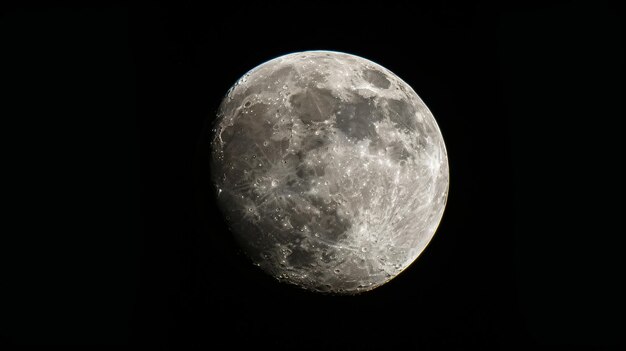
(330, 171)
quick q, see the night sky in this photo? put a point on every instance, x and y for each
(113, 237)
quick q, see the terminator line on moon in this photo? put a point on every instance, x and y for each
(329, 169)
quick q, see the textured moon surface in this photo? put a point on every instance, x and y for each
(330, 171)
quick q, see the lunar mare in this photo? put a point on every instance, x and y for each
(329, 169)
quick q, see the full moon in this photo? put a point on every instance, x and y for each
(330, 171)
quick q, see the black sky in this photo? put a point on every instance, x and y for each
(113, 237)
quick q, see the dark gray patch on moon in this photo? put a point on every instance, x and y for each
(313, 105)
(402, 113)
(330, 171)
(356, 119)
(377, 78)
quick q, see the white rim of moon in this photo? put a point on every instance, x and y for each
(330, 170)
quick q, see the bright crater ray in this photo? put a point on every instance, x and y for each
(330, 170)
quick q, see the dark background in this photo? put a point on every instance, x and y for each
(113, 237)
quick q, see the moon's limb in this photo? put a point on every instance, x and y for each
(330, 170)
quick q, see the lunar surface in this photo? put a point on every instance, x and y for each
(330, 171)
